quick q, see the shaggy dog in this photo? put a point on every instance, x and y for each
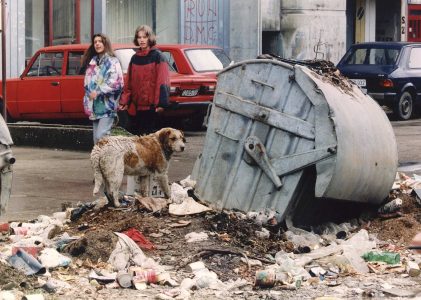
(115, 156)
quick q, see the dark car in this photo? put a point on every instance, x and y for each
(390, 72)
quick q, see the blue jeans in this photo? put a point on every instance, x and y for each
(102, 127)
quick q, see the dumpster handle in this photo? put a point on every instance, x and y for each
(218, 131)
(263, 83)
(255, 148)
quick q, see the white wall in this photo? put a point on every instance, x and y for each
(167, 21)
(245, 30)
(370, 21)
(15, 38)
(306, 25)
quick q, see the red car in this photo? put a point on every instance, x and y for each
(51, 86)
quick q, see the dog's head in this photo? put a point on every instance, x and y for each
(171, 140)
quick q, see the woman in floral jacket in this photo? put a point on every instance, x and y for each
(103, 85)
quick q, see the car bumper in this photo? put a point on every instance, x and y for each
(383, 98)
(190, 105)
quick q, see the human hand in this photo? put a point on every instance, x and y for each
(416, 243)
(159, 109)
(122, 107)
(92, 95)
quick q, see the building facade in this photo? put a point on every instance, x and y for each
(297, 29)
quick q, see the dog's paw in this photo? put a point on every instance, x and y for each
(116, 204)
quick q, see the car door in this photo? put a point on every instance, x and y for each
(414, 68)
(72, 85)
(39, 89)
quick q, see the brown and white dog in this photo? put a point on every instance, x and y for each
(115, 156)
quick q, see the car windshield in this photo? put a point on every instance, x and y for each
(124, 56)
(207, 60)
(371, 56)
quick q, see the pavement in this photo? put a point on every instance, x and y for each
(44, 179)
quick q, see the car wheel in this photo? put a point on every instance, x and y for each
(404, 107)
(9, 118)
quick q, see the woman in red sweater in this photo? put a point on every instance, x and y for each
(148, 81)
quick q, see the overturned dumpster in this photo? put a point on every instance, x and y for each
(271, 121)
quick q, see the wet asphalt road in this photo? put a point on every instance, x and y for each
(43, 179)
(46, 178)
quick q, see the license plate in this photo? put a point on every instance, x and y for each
(359, 82)
(189, 93)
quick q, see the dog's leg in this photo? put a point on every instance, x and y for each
(95, 161)
(144, 186)
(163, 182)
(115, 179)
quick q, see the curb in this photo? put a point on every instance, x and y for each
(66, 137)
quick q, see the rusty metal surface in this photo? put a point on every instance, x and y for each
(294, 118)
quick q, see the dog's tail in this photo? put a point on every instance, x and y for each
(95, 163)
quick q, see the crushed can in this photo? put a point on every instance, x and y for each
(391, 206)
(124, 280)
(265, 278)
(142, 275)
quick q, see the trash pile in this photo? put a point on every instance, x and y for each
(179, 248)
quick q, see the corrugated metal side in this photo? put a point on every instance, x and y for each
(367, 158)
(223, 175)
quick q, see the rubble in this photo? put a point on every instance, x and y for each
(236, 255)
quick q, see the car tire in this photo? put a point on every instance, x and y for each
(9, 118)
(404, 107)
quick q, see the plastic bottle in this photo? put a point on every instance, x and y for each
(390, 258)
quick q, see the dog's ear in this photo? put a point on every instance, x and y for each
(163, 136)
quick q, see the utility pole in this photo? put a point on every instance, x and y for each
(3, 57)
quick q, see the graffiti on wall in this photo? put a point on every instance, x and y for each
(201, 21)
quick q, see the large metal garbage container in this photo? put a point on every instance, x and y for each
(271, 120)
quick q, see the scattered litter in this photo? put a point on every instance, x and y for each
(152, 204)
(194, 237)
(139, 239)
(391, 206)
(188, 182)
(50, 258)
(180, 223)
(26, 263)
(187, 207)
(387, 257)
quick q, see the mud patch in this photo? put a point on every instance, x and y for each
(12, 278)
(96, 245)
(399, 230)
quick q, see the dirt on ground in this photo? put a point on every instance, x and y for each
(231, 245)
(11, 278)
(231, 236)
(401, 227)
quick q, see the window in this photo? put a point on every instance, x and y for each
(124, 56)
(373, 56)
(207, 60)
(415, 58)
(171, 62)
(47, 64)
(74, 63)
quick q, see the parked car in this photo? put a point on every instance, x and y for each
(51, 86)
(390, 72)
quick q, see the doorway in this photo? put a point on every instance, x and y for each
(388, 17)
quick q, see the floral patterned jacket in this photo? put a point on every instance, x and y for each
(103, 75)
